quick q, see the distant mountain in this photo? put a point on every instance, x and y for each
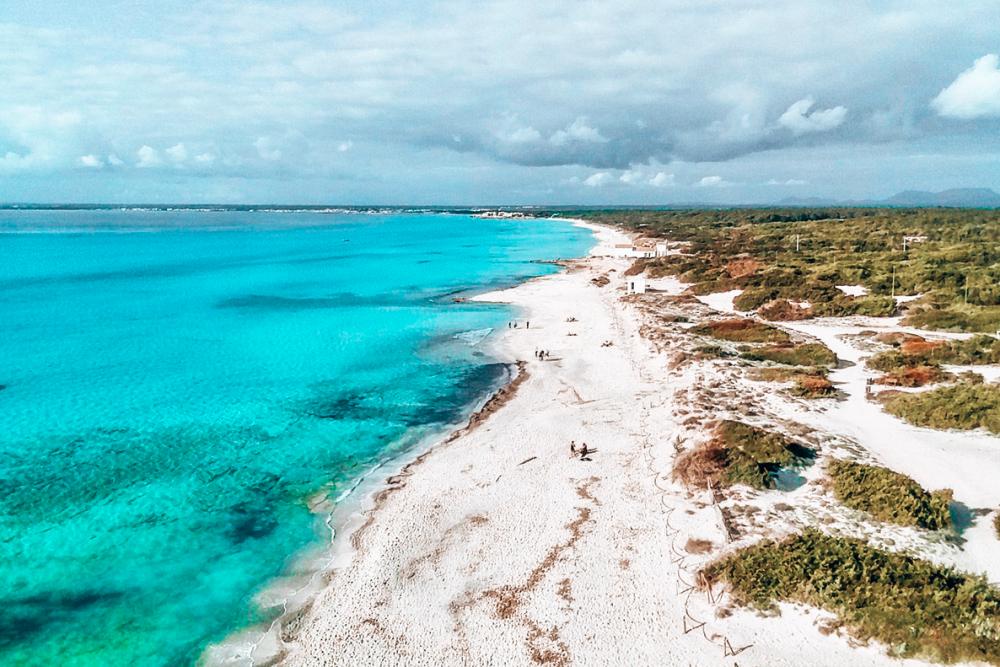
(974, 197)
(956, 197)
(809, 201)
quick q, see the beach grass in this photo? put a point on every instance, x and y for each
(916, 608)
(888, 495)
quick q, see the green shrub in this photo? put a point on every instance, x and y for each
(996, 524)
(802, 253)
(888, 495)
(962, 406)
(973, 351)
(844, 306)
(741, 454)
(712, 351)
(956, 318)
(755, 297)
(808, 354)
(741, 330)
(916, 608)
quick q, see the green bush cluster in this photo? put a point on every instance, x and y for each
(956, 319)
(972, 351)
(742, 331)
(754, 456)
(804, 253)
(807, 354)
(888, 495)
(916, 608)
(963, 406)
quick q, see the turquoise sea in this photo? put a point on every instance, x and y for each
(176, 384)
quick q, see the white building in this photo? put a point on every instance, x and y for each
(635, 284)
(661, 249)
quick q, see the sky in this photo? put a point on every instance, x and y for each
(482, 102)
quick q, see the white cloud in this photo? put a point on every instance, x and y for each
(115, 161)
(512, 131)
(975, 93)
(790, 181)
(598, 179)
(662, 179)
(345, 146)
(798, 119)
(91, 161)
(148, 157)
(712, 182)
(631, 176)
(578, 130)
(204, 158)
(178, 153)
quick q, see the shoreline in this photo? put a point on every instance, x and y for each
(494, 546)
(354, 511)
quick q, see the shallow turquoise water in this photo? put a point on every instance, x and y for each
(176, 385)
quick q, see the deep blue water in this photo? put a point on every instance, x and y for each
(177, 384)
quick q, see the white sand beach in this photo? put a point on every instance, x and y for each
(498, 547)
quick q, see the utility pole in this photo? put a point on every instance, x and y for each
(796, 243)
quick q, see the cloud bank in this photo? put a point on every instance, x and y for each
(516, 97)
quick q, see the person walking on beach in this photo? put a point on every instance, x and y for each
(527, 324)
(583, 452)
(572, 447)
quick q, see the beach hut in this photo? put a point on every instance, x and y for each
(635, 285)
(661, 249)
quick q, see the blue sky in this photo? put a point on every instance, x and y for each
(520, 102)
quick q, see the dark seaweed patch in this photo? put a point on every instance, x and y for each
(249, 521)
(23, 618)
(448, 409)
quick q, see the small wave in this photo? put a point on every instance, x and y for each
(474, 337)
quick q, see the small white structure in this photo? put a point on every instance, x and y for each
(661, 249)
(645, 252)
(635, 284)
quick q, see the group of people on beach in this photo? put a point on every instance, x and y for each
(513, 324)
(541, 354)
(582, 450)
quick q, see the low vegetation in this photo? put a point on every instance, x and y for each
(813, 386)
(911, 351)
(962, 406)
(808, 382)
(888, 495)
(741, 454)
(712, 352)
(915, 376)
(916, 608)
(996, 524)
(741, 330)
(802, 254)
(783, 310)
(954, 318)
(807, 354)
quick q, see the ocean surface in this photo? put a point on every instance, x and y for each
(177, 384)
